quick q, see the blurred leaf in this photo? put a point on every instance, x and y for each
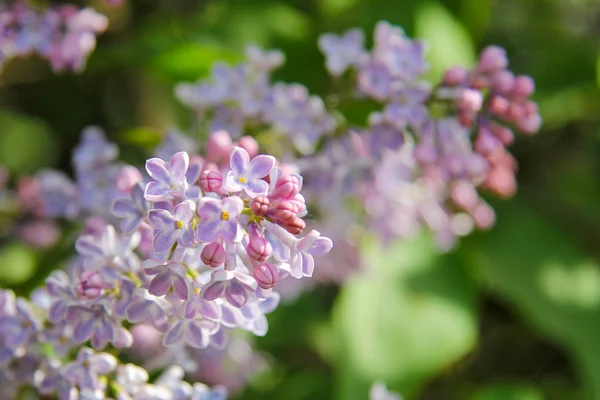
(409, 317)
(26, 144)
(570, 104)
(144, 137)
(332, 8)
(17, 264)
(475, 14)
(508, 392)
(448, 41)
(190, 61)
(549, 280)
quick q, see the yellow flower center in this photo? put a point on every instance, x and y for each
(242, 180)
(225, 216)
(179, 224)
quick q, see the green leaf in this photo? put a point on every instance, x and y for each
(410, 316)
(551, 282)
(448, 40)
(26, 144)
(18, 263)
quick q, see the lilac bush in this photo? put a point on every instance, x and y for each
(208, 235)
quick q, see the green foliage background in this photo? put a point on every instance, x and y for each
(511, 314)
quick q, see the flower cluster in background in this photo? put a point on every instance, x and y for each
(64, 35)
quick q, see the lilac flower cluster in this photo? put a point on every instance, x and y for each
(198, 253)
(424, 155)
(64, 35)
(241, 98)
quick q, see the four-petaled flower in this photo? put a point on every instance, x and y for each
(219, 219)
(169, 179)
(168, 274)
(169, 228)
(247, 175)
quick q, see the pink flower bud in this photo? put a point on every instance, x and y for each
(524, 87)
(499, 106)
(259, 248)
(266, 275)
(286, 211)
(483, 215)
(287, 187)
(249, 144)
(503, 81)
(515, 112)
(492, 59)
(470, 100)
(90, 285)
(501, 181)
(530, 124)
(128, 176)
(218, 146)
(211, 181)
(213, 255)
(455, 76)
(464, 195)
(260, 205)
(486, 143)
(503, 133)
(295, 226)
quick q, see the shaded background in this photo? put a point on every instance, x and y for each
(513, 313)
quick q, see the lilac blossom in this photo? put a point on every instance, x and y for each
(132, 210)
(166, 275)
(219, 219)
(88, 367)
(246, 174)
(169, 179)
(342, 51)
(378, 391)
(169, 228)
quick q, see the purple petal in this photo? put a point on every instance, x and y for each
(213, 290)
(184, 211)
(179, 164)
(196, 336)
(256, 188)
(157, 169)
(239, 160)
(321, 246)
(129, 226)
(163, 240)
(57, 311)
(233, 205)
(219, 339)
(187, 238)
(124, 207)
(230, 231)
(296, 266)
(156, 191)
(88, 245)
(161, 284)
(193, 173)
(174, 334)
(83, 330)
(209, 208)
(180, 287)
(235, 294)
(260, 166)
(231, 184)
(208, 230)
(160, 218)
(139, 311)
(308, 264)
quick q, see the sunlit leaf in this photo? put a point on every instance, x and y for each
(410, 316)
(448, 40)
(551, 282)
